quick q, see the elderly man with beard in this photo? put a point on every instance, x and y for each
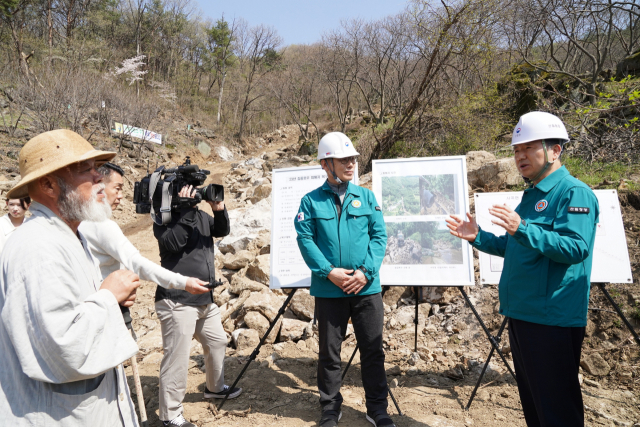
(62, 337)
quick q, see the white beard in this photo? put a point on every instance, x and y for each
(74, 208)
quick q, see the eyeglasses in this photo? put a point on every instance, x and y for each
(347, 160)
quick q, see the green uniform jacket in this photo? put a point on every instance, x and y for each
(357, 239)
(547, 262)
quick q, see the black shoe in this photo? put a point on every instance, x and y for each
(178, 421)
(380, 420)
(330, 418)
(221, 394)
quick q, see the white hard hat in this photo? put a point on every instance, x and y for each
(336, 145)
(538, 125)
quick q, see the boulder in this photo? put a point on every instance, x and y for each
(257, 321)
(222, 297)
(248, 223)
(496, 174)
(629, 65)
(238, 260)
(595, 365)
(240, 283)
(260, 192)
(439, 295)
(395, 294)
(245, 338)
(292, 329)
(259, 269)
(477, 159)
(264, 302)
(260, 242)
(204, 149)
(224, 153)
(303, 304)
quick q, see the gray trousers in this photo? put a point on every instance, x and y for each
(180, 324)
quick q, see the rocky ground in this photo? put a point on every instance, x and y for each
(431, 385)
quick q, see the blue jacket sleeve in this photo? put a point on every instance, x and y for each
(377, 242)
(305, 227)
(490, 243)
(571, 238)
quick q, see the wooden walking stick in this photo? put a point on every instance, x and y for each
(134, 367)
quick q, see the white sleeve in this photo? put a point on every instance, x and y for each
(111, 240)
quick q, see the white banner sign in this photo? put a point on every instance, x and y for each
(289, 186)
(416, 196)
(135, 132)
(610, 256)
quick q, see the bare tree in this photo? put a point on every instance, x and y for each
(579, 39)
(258, 56)
(296, 86)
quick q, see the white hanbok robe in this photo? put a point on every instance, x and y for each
(59, 333)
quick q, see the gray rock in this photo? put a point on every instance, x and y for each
(264, 302)
(261, 192)
(292, 329)
(240, 283)
(224, 153)
(595, 365)
(257, 321)
(496, 174)
(245, 338)
(477, 159)
(238, 260)
(204, 149)
(303, 304)
(259, 269)
(394, 370)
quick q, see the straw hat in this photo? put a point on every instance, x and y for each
(51, 151)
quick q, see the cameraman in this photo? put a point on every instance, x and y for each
(186, 247)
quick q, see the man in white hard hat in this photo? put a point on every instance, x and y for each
(342, 238)
(544, 286)
(62, 336)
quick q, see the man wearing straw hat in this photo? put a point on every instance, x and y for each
(62, 337)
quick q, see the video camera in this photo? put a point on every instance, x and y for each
(157, 193)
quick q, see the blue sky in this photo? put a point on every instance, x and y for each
(300, 22)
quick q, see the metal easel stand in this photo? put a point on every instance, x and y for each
(494, 340)
(355, 350)
(256, 351)
(603, 288)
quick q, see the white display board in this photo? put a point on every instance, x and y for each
(416, 196)
(289, 186)
(610, 257)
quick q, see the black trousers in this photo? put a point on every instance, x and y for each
(367, 317)
(547, 359)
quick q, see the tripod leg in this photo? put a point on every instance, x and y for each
(484, 368)
(492, 339)
(394, 401)
(415, 320)
(256, 351)
(346, 368)
(615, 306)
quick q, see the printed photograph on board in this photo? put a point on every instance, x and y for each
(421, 243)
(419, 195)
